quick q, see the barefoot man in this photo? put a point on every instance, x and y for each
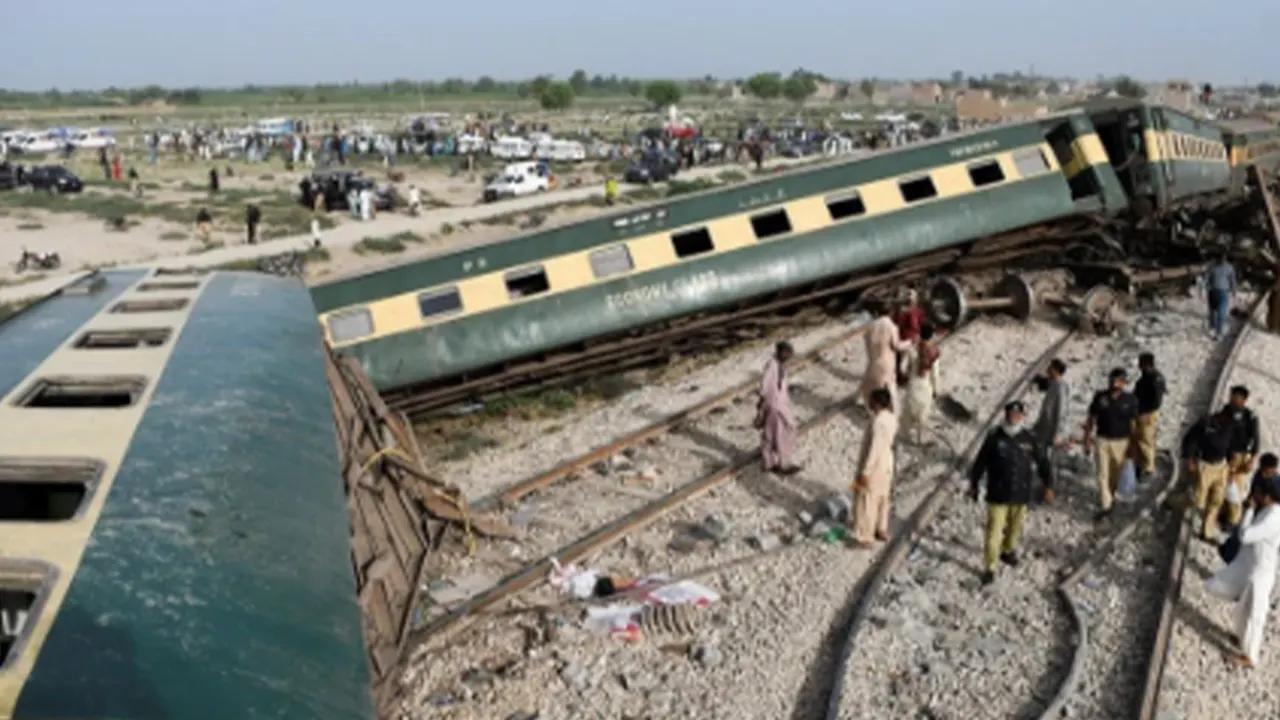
(874, 483)
(774, 416)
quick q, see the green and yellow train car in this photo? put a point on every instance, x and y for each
(1250, 142)
(479, 307)
(173, 531)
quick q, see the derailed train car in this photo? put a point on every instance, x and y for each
(173, 530)
(474, 309)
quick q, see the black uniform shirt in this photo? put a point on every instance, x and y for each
(1244, 430)
(1150, 391)
(1113, 416)
(1209, 440)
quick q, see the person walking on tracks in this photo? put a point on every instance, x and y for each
(1005, 459)
(882, 343)
(774, 415)
(1050, 428)
(1244, 448)
(1150, 391)
(1111, 418)
(1251, 576)
(1220, 284)
(1205, 449)
(874, 481)
(922, 384)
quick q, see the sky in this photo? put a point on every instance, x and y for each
(91, 44)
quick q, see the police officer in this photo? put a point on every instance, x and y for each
(1205, 449)
(1006, 458)
(1244, 448)
(1111, 416)
(1150, 391)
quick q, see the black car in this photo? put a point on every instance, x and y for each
(654, 167)
(53, 178)
(11, 176)
(336, 184)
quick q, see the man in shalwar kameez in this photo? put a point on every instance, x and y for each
(883, 344)
(1251, 576)
(775, 418)
(874, 481)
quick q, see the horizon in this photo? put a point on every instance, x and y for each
(292, 43)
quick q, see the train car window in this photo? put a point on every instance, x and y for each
(692, 242)
(83, 392)
(526, 281)
(917, 189)
(768, 224)
(45, 491)
(146, 306)
(122, 339)
(1030, 161)
(843, 206)
(23, 587)
(986, 173)
(612, 260)
(350, 324)
(440, 302)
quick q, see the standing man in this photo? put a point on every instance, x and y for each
(204, 225)
(104, 164)
(610, 191)
(1205, 449)
(1220, 282)
(874, 483)
(1250, 578)
(922, 384)
(1050, 428)
(415, 201)
(909, 319)
(1111, 417)
(252, 216)
(1244, 447)
(1005, 458)
(882, 342)
(774, 416)
(1150, 391)
(213, 181)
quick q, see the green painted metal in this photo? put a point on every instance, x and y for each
(481, 340)
(681, 211)
(217, 583)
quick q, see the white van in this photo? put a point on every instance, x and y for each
(562, 151)
(518, 179)
(92, 139)
(511, 148)
(469, 144)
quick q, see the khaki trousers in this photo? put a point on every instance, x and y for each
(870, 515)
(1111, 455)
(1144, 441)
(1241, 464)
(1211, 489)
(1004, 527)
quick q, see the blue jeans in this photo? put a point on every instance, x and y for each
(1219, 303)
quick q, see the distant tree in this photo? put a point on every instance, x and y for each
(765, 86)
(1126, 87)
(1053, 88)
(844, 91)
(1267, 90)
(556, 96)
(539, 85)
(662, 93)
(867, 87)
(453, 86)
(578, 81)
(957, 78)
(484, 84)
(799, 86)
(634, 88)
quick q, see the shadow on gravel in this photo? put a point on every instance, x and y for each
(838, 372)
(1211, 632)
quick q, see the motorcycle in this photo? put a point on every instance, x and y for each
(38, 261)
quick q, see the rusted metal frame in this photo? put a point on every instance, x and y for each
(541, 480)
(907, 535)
(1159, 656)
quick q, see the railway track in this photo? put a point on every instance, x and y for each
(916, 654)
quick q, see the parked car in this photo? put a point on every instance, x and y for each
(11, 176)
(53, 178)
(654, 167)
(336, 184)
(562, 151)
(92, 139)
(519, 179)
(512, 148)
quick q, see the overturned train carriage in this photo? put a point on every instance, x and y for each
(173, 530)
(470, 311)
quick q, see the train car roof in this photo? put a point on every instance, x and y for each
(1248, 126)
(206, 570)
(338, 291)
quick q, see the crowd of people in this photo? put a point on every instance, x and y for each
(1233, 489)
